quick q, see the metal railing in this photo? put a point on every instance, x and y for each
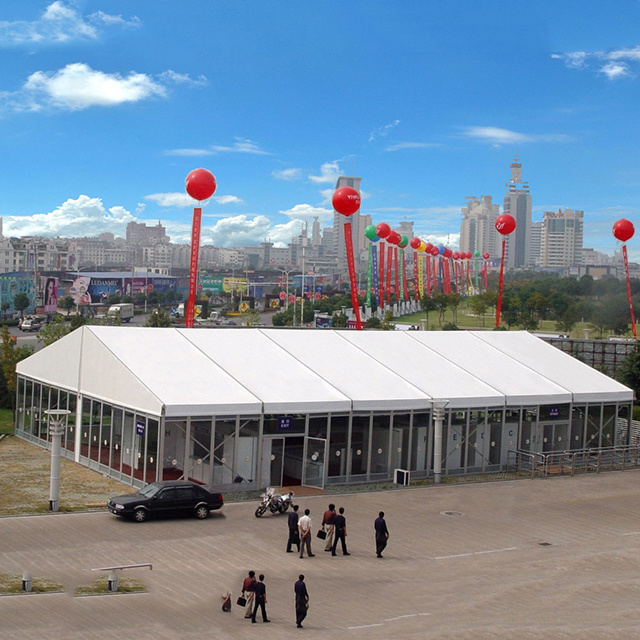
(577, 461)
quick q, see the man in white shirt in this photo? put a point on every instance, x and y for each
(304, 527)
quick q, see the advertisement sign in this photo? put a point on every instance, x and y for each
(50, 295)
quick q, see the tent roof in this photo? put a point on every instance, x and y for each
(219, 371)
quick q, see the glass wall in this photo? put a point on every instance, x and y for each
(380, 447)
(359, 449)
(337, 462)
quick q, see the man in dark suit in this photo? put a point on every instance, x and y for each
(382, 534)
(260, 591)
(302, 600)
(340, 529)
(292, 523)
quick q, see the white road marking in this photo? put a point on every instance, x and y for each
(474, 553)
(365, 626)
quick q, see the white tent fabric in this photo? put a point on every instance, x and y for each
(202, 372)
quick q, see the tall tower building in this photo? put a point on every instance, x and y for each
(517, 202)
(562, 236)
(477, 229)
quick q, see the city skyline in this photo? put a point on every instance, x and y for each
(106, 107)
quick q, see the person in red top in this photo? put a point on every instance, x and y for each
(248, 588)
(327, 526)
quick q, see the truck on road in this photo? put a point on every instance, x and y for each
(124, 310)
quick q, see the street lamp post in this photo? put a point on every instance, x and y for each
(438, 418)
(57, 427)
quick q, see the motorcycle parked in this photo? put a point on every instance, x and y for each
(274, 502)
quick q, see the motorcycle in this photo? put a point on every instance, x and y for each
(274, 502)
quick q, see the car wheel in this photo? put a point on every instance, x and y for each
(202, 512)
(140, 515)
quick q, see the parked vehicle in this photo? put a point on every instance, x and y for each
(166, 498)
(274, 502)
(124, 310)
(32, 323)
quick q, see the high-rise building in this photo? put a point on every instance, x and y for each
(562, 235)
(517, 202)
(535, 242)
(477, 229)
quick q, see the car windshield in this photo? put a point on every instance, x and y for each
(150, 490)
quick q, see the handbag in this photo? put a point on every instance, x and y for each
(241, 601)
(322, 534)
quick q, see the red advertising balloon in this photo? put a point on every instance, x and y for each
(435, 251)
(415, 243)
(457, 256)
(447, 253)
(393, 237)
(486, 255)
(346, 200)
(428, 247)
(505, 224)
(200, 184)
(623, 230)
(383, 230)
(468, 255)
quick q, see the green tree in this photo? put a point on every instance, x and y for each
(629, 372)
(10, 355)
(53, 331)
(428, 304)
(66, 303)
(21, 302)
(479, 305)
(373, 323)
(387, 323)
(339, 320)
(251, 318)
(5, 307)
(442, 303)
(569, 318)
(158, 318)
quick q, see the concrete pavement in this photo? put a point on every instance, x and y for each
(545, 558)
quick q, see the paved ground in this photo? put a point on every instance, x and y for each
(556, 558)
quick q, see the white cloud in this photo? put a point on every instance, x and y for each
(59, 23)
(329, 172)
(241, 145)
(383, 131)
(227, 200)
(287, 174)
(80, 217)
(306, 213)
(176, 199)
(183, 78)
(77, 86)
(411, 145)
(497, 135)
(614, 64)
(237, 231)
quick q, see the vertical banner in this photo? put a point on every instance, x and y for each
(374, 273)
(401, 276)
(417, 274)
(368, 298)
(405, 284)
(428, 274)
(500, 283)
(193, 267)
(447, 275)
(381, 283)
(629, 296)
(355, 303)
(396, 274)
(389, 261)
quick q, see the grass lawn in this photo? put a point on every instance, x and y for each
(6, 421)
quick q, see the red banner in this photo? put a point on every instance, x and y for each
(416, 276)
(629, 297)
(389, 261)
(193, 269)
(397, 274)
(428, 259)
(500, 283)
(355, 303)
(405, 287)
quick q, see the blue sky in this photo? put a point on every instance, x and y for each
(106, 106)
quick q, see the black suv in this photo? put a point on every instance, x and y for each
(175, 497)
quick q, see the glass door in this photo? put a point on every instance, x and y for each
(272, 462)
(314, 462)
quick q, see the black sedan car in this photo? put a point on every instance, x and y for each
(175, 497)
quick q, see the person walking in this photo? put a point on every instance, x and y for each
(248, 586)
(292, 523)
(260, 591)
(340, 525)
(382, 534)
(304, 527)
(302, 600)
(328, 526)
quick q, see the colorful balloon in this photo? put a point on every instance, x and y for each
(393, 237)
(447, 252)
(457, 256)
(486, 255)
(623, 230)
(383, 230)
(422, 247)
(346, 200)
(415, 243)
(370, 233)
(200, 184)
(441, 249)
(404, 241)
(435, 251)
(505, 224)
(476, 253)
